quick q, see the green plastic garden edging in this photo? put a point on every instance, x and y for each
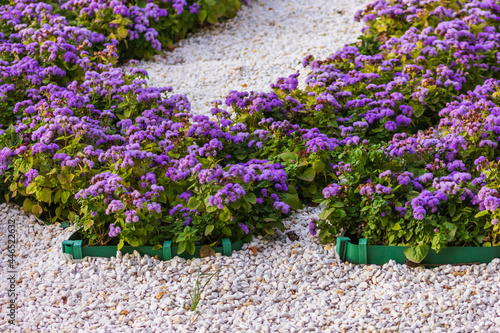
(64, 225)
(73, 246)
(381, 254)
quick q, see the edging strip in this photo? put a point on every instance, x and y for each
(73, 246)
(362, 253)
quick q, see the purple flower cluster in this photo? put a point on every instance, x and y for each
(113, 230)
(30, 176)
(312, 227)
(135, 25)
(230, 192)
(427, 201)
(331, 190)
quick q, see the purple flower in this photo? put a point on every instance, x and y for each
(244, 228)
(194, 8)
(331, 191)
(113, 231)
(29, 176)
(385, 174)
(312, 227)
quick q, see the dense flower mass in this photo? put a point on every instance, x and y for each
(138, 28)
(397, 134)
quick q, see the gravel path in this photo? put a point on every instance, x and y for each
(284, 286)
(264, 42)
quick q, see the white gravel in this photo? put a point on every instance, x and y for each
(266, 41)
(288, 286)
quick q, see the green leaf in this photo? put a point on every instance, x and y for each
(59, 212)
(122, 32)
(452, 231)
(251, 198)
(480, 238)
(27, 205)
(241, 156)
(13, 187)
(181, 248)
(31, 188)
(117, 21)
(325, 213)
(65, 196)
(339, 214)
(211, 209)
(120, 244)
(308, 175)
(412, 195)
(44, 195)
(193, 203)
(37, 209)
(208, 229)
(162, 198)
(292, 190)
(482, 213)
(337, 204)
(396, 227)
(127, 113)
(226, 231)
(190, 248)
(87, 223)
(292, 200)
(225, 214)
(313, 188)
(202, 15)
(25, 167)
(57, 196)
(417, 253)
(212, 17)
(270, 231)
(318, 166)
(418, 111)
(289, 156)
(325, 236)
(157, 247)
(391, 238)
(452, 209)
(62, 179)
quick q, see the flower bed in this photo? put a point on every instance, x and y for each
(74, 246)
(139, 28)
(91, 143)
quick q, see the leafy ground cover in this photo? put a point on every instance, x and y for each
(396, 134)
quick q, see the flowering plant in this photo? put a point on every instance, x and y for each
(397, 135)
(431, 190)
(143, 27)
(237, 201)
